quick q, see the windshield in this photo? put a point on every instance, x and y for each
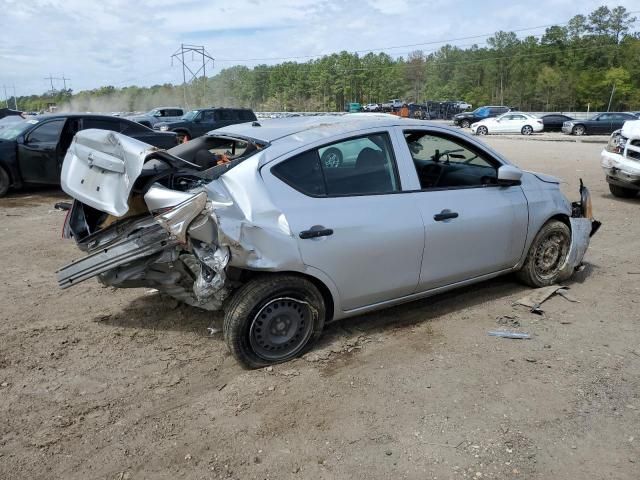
(151, 113)
(190, 115)
(11, 132)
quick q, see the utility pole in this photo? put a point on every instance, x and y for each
(196, 50)
(64, 80)
(6, 99)
(611, 97)
(50, 78)
(15, 98)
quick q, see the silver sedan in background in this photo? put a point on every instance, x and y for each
(288, 224)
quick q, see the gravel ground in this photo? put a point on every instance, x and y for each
(109, 384)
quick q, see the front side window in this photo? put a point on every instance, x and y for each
(444, 162)
(358, 166)
(47, 132)
(482, 112)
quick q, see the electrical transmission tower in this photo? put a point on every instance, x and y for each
(196, 51)
(52, 78)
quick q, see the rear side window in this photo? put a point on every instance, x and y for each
(131, 128)
(225, 115)
(47, 132)
(247, 115)
(102, 123)
(357, 166)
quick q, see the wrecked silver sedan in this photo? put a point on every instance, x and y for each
(292, 223)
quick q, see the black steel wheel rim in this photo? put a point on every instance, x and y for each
(550, 255)
(281, 328)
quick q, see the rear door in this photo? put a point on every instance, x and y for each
(38, 155)
(350, 219)
(617, 121)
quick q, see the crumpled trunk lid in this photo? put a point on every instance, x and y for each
(101, 167)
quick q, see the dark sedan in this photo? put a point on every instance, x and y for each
(600, 124)
(32, 151)
(554, 121)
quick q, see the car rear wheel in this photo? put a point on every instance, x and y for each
(272, 319)
(4, 182)
(526, 130)
(578, 130)
(547, 255)
(465, 124)
(482, 130)
(622, 192)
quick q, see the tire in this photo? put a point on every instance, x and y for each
(331, 158)
(527, 130)
(482, 131)
(620, 192)
(465, 123)
(251, 311)
(547, 255)
(578, 130)
(183, 137)
(5, 182)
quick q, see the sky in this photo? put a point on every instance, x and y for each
(130, 42)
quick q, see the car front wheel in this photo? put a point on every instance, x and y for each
(578, 130)
(622, 192)
(547, 255)
(465, 124)
(272, 319)
(482, 131)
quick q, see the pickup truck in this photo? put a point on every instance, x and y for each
(621, 160)
(160, 114)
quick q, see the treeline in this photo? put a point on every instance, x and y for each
(570, 67)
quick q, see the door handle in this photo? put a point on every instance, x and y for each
(315, 232)
(445, 215)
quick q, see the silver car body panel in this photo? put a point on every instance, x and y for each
(100, 167)
(385, 249)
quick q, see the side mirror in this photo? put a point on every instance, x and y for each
(509, 175)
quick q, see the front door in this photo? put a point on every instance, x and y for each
(472, 226)
(350, 219)
(38, 155)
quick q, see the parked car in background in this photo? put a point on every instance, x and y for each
(511, 122)
(553, 122)
(371, 107)
(161, 114)
(202, 120)
(391, 104)
(602, 124)
(8, 112)
(285, 243)
(621, 160)
(466, 119)
(31, 151)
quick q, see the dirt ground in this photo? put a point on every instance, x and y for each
(116, 384)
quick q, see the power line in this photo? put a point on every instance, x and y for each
(410, 45)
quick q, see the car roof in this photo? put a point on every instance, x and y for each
(304, 130)
(49, 116)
